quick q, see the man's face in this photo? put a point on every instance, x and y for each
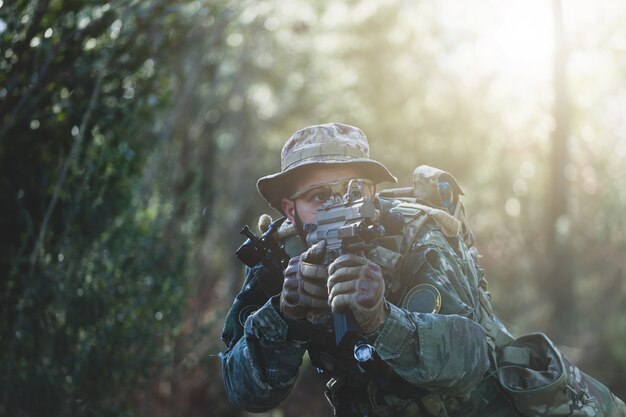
(314, 187)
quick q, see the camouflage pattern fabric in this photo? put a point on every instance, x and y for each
(541, 382)
(261, 366)
(439, 360)
(426, 180)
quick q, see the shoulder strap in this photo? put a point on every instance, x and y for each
(417, 216)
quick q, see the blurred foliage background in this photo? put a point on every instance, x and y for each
(132, 134)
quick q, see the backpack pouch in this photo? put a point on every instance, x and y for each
(533, 375)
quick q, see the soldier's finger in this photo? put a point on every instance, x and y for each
(314, 290)
(313, 271)
(316, 253)
(341, 303)
(291, 269)
(291, 283)
(344, 274)
(291, 297)
(342, 288)
(312, 302)
(371, 270)
(346, 260)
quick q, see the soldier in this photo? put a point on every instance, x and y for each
(422, 308)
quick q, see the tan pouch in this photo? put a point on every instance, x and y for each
(532, 372)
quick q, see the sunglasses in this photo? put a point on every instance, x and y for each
(323, 192)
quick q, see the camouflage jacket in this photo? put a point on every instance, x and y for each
(439, 352)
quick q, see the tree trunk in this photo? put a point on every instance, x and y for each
(559, 279)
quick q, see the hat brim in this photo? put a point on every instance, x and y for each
(273, 188)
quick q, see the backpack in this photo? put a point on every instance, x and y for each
(530, 369)
(435, 188)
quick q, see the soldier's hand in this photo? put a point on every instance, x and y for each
(357, 284)
(304, 287)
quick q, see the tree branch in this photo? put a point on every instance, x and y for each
(73, 155)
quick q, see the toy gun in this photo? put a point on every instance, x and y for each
(348, 224)
(264, 250)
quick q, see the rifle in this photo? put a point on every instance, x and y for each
(265, 249)
(348, 224)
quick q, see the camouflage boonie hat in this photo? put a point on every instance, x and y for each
(327, 144)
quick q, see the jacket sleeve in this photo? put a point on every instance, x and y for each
(445, 352)
(261, 367)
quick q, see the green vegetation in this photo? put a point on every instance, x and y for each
(132, 134)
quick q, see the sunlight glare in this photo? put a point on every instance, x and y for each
(520, 41)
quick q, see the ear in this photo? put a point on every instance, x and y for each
(288, 207)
